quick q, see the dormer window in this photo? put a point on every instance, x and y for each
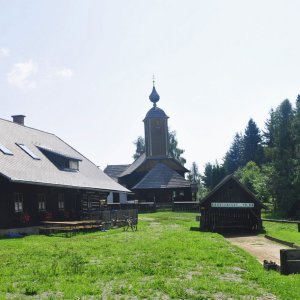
(74, 164)
(62, 161)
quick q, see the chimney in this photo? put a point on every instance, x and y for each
(19, 119)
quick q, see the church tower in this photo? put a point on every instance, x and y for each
(156, 129)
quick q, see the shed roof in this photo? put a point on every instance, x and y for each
(21, 167)
(223, 182)
(162, 177)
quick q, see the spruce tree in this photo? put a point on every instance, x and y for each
(282, 154)
(234, 156)
(252, 149)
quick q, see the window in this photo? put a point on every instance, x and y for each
(61, 201)
(42, 202)
(18, 198)
(89, 204)
(4, 150)
(28, 151)
(73, 165)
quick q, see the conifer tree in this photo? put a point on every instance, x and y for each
(234, 157)
(213, 174)
(252, 149)
(282, 155)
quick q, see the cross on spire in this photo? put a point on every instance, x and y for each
(154, 97)
(153, 80)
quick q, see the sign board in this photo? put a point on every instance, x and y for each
(232, 205)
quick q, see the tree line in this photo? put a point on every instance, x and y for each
(266, 161)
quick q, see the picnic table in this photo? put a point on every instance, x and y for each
(69, 227)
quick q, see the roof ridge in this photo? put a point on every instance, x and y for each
(32, 128)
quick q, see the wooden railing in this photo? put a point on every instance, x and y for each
(191, 206)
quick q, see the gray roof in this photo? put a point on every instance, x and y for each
(156, 112)
(149, 162)
(113, 171)
(21, 167)
(138, 162)
(162, 177)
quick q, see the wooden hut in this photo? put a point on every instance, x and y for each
(230, 206)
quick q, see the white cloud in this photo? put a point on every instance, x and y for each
(21, 75)
(4, 52)
(65, 73)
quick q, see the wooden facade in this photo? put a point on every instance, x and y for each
(23, 205)
(43, 178)
(230, 207)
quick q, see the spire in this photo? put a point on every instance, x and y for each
(154, 97)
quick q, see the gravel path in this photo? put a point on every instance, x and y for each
(259, 246)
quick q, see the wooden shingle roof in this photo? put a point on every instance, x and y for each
(162, 177)
(114, 171)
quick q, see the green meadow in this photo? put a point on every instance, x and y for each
(283, 231)
(164, 259)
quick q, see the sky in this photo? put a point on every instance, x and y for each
(82, 69)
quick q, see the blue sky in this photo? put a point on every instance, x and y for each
(83, 69)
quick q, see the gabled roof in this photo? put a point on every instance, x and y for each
(223, 182)
(138, 162)
(21, 167)
(113, 171)
(162, 177)
(147, 163)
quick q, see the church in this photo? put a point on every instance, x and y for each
(155, 176)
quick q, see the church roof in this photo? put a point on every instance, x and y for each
(156, 112)
(138, 162)
(162, 177)
(113, 171)
(146, 163)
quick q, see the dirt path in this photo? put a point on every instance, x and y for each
(259, 246)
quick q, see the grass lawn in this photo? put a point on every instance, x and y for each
(284, 231)
(162, 260)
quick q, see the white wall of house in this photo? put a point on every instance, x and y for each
(123, 198)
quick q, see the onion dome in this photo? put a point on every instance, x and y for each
(154, 97)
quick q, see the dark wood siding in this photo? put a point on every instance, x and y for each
(75, 204)
(230, 218)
